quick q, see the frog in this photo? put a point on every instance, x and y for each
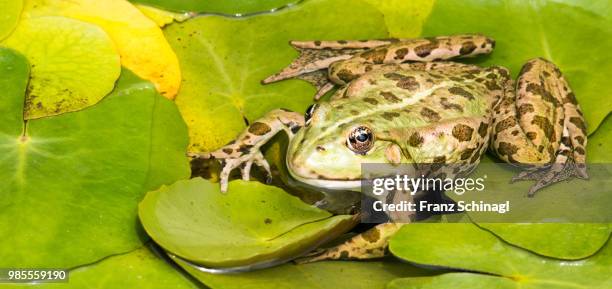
(407, 101)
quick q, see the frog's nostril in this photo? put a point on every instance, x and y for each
(320, 148)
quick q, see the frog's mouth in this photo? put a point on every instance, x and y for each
(314, 179)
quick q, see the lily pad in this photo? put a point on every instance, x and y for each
(221, 75)
(528, 29)
(74, 64)
(404, 19)
(556, 221)
(563, 241)
(139, 40)
(140, 268)
(466, 247)
(335, 274)
(71, 183)
(260, 223)
(11, 11)
(598, 147)
(219, 6)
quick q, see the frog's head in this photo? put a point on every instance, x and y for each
(329, 151)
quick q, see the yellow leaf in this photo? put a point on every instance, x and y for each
(140, 42)
(163, 17)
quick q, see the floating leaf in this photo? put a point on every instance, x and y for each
(322, 275)
(140, 268)
(563, 241)
(222, 73)
(598, 147)
(260, 223)
(528, 29)
(71, 183)
(139, 40)
(466, 247)
(218, 6)
(74, 64)
(162, 17)
(550, 223)
(11, 10)
(404, 19)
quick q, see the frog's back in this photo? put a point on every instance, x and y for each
(417, 95)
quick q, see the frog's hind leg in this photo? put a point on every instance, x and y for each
(407, 50)
(541, 126)
(312, 63)
(367, 245)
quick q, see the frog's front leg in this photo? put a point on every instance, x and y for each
(244, 151)
(541, 126)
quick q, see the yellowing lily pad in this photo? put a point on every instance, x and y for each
(74, 64)
(224, 59)
(251, 224)
(71, 183)
(467, 247)
(11, 10)
(139, 40)
(528, 29)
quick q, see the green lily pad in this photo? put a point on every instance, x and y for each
(71, 183)
(252, 223)
(528, 29)
(334, 274)
(598, 147)
(221, 75)
(140, 268)
(404, 19)
(556, 221)
(11, 10)
(467, 247)
(74, 64)
(563, 241)
(218, 6)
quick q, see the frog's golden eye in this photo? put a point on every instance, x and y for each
(360, 140)
(309, 111)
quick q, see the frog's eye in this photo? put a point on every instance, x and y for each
(309, 111)
(360, 140)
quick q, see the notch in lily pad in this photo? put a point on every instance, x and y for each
(252, 226)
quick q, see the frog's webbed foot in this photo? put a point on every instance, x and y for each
(230, 161)
(367, 245)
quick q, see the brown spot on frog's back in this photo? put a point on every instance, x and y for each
(390, 115)
(460, 91)
(430, 115)
(415, 139)
(462, 132)
(259, 128)
(389, 96)
(579, 123)
(371, 101)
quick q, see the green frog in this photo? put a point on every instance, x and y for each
(402, 101)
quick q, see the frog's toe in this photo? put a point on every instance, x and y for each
(552, 174)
